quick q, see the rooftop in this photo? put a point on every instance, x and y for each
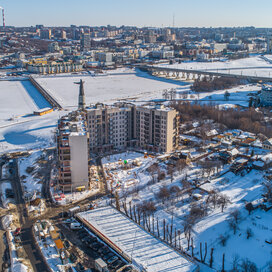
(145, 250)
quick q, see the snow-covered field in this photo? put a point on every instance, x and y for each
(239, 189)
(107, 88)
(252, 66)
(19, 129)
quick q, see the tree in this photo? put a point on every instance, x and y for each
(249, 207)
(248, 266)
(267, 189)
(170, 171)
(163, 194)
(223, 239)
(181, 164)
(226, 95)
(223, 201)
(249, 233)
(233, 226)
(213, 198)
(188, 228)
(236, 216)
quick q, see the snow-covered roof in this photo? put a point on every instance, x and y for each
(145, 250)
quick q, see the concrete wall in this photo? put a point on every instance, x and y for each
(79, 160)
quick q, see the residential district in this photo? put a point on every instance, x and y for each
(135, 149)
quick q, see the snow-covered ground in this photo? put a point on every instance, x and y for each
(19, 129)
(125, 170)
(239, 190)
(252, 66)
(107, 88)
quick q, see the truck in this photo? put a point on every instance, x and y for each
(100, 265)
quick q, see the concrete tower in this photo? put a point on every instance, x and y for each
(81, 97)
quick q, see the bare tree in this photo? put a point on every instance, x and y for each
(223, 201)
(236, 216)
(188, 228)
(249, 207)
(249, 233)
(233, 226)
(267, 189)
(170, 171)
(248, 266)
(223, 239)
(163, 194)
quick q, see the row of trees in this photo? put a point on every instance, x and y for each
(218, 83)
(247, 120)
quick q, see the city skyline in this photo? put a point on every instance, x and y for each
(210, 13)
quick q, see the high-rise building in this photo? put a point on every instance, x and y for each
(73, 153)
(46, 34)
(123, 125)
(85, 41)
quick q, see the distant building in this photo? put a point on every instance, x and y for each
(46, 34)
(85, 41)
(266, 96)
(53, 47)
(53, 67)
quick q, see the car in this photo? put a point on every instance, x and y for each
(95, 246)
(127, 269)
(73, 258)
(108, 256)
(66, 244)
(103, 249)
(115, 265)
(80, 267)
(17, 231)
(112, 259)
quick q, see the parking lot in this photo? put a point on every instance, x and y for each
(84, 248)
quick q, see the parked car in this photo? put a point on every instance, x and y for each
(112, 259)
(117, 264)
(66, 244)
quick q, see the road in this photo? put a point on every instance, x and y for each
(28, 240)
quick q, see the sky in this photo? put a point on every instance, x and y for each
(157, 13)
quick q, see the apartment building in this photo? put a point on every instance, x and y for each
(156, 128)
(110, 127)
(123, 125)
(73, 152)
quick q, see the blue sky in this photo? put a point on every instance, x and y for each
(204, 13)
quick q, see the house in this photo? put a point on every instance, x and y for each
(267, 144)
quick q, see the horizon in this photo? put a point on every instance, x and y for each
(210, 13)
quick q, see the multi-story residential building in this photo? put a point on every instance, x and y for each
(109, 127)
(122, 125)
(156, 128)
(86, 41)
(46, 34)
(73, 152)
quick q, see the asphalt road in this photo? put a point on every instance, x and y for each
(28, 240)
